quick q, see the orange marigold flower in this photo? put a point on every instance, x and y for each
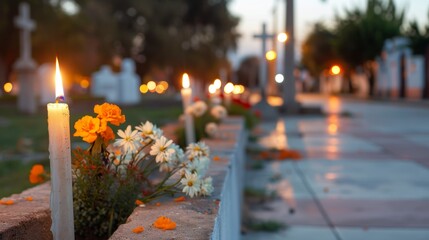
(36, 174)
(108, 134)
(87, 127)
(164, 223)
(180, 199)
(29, 198)
(138, 229)
(109, 112)
(138, 202)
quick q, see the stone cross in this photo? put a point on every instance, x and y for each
(264, 36)
(268, 112)
(25, 66)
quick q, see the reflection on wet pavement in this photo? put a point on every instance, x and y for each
(376, 188)
(277, 138)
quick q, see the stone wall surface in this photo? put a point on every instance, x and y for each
(27, 219)
(214, 217)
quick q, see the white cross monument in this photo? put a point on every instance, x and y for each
(267, 111)
(264, 36)
(25, 66)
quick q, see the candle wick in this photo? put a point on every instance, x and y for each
(59, 99)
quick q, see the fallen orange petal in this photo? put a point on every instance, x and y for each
(138, 202)
(216, 158)
(180, 199)
(158, 204)
(29, 198)
(164, 223)
(138, 229)
(7, 202)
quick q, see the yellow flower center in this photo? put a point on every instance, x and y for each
(190, 184)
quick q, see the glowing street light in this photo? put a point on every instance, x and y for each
(335, 69)
(271, 55)
(279, 78)
(282, 37)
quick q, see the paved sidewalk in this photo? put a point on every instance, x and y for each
(361, 177)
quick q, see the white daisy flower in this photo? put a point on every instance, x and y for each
(191, 184)
(219, 112)
(192, 167)
(162, 150)
(206, 188)
(199, 149)
(198, 165)
(149, 130)
(130, 141)
(211, 129)
(179, 154)
(199, 108)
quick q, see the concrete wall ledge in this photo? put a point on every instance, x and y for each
(215, 217)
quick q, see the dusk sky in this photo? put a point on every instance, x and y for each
(254, 12)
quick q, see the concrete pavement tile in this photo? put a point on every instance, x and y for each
(305, 212)
(367, 179)
(422, 139)
(357, 156)
(366, 213)
(293, 233)
(287, 185)
(384, 234)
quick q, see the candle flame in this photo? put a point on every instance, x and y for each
(212, 89)
(59, 91)
(217, 83)
(185, 81)
(229, 87)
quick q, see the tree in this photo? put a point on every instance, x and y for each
(185, 34)
(248, 72)
(165, 33)
(318, 52)
(361, 34)
(419, 38)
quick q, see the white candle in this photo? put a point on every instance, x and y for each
(187, 101)
(60, 160)
(212, 91)
(229, 87)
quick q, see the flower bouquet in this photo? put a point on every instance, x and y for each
(139, 166)
(206, 120)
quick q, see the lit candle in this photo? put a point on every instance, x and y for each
(187, 101)
(229, 87)
(212, 90)
(60, 160)
(217, 83)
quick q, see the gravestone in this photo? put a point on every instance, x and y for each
(399, 73)
(105, 84)
(129, 83)
(25, 66)
(46, 86)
